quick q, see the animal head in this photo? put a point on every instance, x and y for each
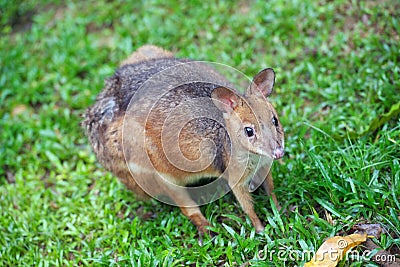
(251, 119)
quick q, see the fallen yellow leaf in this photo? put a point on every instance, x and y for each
(334, 249)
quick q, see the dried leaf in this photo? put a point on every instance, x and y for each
(384, 258)
(373, 229)
(334, 249)
(329, 218)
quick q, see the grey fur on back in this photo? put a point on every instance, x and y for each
(112, 103)
(119, 89)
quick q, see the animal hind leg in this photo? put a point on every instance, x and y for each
(190, 209)
(188, 206)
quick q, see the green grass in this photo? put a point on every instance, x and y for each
(337, 65)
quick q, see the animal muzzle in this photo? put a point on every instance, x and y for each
(278, 153)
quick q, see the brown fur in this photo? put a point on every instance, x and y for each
(146, 52)
(146, 155)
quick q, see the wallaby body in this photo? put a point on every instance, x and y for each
(140, 138)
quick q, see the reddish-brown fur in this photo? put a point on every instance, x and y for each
(104, 123)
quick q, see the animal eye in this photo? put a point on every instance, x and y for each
(275, 121)
(249, 131)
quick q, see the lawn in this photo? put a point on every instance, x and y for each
(337, 67)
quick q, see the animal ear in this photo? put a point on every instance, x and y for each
(262, 83)
(226, 100)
